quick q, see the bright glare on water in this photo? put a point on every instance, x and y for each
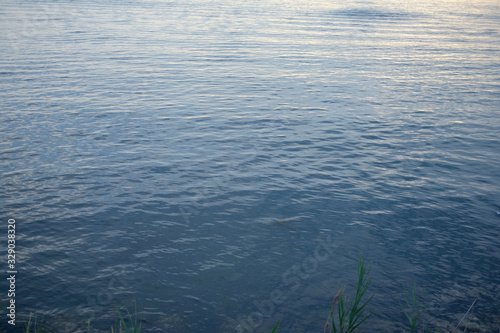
(219, 166)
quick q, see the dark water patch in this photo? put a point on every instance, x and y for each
(372, 14)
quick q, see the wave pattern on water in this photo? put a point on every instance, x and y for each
(191, 155)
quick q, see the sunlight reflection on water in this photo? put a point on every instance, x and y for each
(187, 155)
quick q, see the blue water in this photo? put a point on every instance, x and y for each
(220, 165)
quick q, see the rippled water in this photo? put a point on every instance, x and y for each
(206, 160)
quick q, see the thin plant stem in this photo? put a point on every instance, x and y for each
(465, 315)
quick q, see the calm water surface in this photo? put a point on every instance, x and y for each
(221, 164)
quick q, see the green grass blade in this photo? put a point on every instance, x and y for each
(276, 327)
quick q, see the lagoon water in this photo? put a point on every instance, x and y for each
(221, 164)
